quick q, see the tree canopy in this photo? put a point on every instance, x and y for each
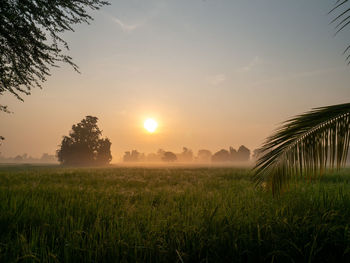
(84, 145)
(31, 42)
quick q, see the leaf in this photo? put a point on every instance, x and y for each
(305, 145)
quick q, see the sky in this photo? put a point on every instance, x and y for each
(213, 73)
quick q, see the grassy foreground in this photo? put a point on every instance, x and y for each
(52, 214)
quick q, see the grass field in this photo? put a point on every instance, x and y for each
(53, 214)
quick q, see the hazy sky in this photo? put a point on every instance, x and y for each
(213, 73)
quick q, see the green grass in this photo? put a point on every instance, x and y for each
(53, 214)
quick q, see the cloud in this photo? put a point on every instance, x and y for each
(155, 9)
(255, 62)
(125, 27)
(217, 79)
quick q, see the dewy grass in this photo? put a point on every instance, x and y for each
(53, 214)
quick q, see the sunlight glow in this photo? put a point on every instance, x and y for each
(150, 125)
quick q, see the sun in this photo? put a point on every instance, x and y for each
(150, 125)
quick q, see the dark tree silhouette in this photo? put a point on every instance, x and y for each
(30, 40)
(233, 154)
(221, 156)
(243, 154)
(169, 157)
(84, 146)
(103, 154)
(186, 155)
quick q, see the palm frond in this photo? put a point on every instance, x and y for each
(305, 145)
(342, 19)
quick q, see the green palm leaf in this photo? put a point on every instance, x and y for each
(341, 20)
(311, 142)
(305, 145)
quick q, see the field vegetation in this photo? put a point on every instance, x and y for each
(55, 214)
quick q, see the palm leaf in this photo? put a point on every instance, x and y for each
(341, 20)
(305, 145)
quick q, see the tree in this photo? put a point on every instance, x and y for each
(310, 142)
(186, 155)
(103, 154)
(84, 146)
(221, 156)
(133, 156)
(243, 154)
(30, 40)
(169, 157)
(233, 154)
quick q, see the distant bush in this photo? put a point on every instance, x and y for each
(185, 156)
(169, 157)
(221, 156)
(242, 155)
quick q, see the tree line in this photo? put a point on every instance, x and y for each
(25, 158)
(187, 155)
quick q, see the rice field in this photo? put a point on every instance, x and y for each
(125, 214)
